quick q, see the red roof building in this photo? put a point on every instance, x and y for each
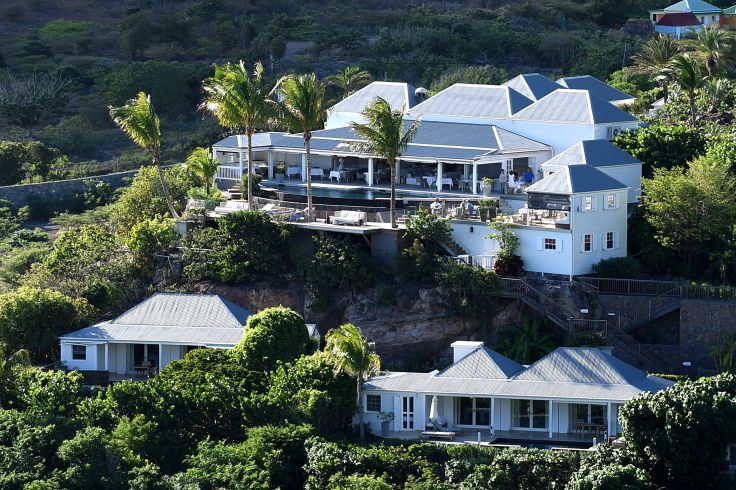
(678, 19)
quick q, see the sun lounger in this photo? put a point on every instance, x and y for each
(436, 434)
(231, 207)
(348, 218)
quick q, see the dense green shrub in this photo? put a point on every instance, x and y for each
(273, 335)
(73, 136)
(12, 157)
(18, 261)
(46, 393)
(10, 219)
(151, 236)
(338, 264)
(468, 291)
(618, 268)
(34, 318)
(662, 146)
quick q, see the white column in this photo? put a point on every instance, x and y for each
(397, 171)
(241, 163)
(609, 412)
(107, 362)
(160, 357)
(493, 413)
(439, 177)
(370, 172)
(304, 167)
(475, 178)
(549, 421)
(270, 164)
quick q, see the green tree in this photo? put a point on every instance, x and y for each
(12, 157)
(273, 335)
(384, 136)
(662, 145)
(481, 75)
(691, 211)
(304, 109)
(468, 291)
(655, 58)
(508, 262)
(144, 200)
(151, 236)
(33, 319)
(666, 430)
(713, 46)
(238, 100)
(201, 162)
(686, 73)
(9, 362)
(356, 357)
(350, 79)
(525, 343)
(138, 119)
(429, 229)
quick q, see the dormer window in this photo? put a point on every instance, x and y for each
(588, 203)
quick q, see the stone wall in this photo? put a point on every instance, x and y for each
(20, 194)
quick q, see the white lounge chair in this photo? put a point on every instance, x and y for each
(231, 207)
(348, 218)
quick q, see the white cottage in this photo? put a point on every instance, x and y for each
(161, 329)
(573, 390)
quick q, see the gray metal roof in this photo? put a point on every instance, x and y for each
(433, 140)
(596, 87)
(482, 363)
(532, 85)
(468, 100)
(563, 374)
(596, 153)
(575, 179)
(398, 95)
(260, 141)
(573, 106)
(692, 6)
(173, 318)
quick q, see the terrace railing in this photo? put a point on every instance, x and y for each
(639, 287)
(228, 173)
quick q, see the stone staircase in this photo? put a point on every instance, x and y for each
(452, 247)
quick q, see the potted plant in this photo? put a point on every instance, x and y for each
(487, 209)
(487, 186)
(386, 419)
(280, 171)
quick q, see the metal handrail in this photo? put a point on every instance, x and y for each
(644, 287)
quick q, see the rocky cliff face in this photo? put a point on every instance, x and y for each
(417, 326)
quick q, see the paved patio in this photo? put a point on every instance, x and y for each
(502, 438)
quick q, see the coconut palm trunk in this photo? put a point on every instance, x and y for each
(691, 100)
(249, 179)
(165, 187)
(360, 409)
(308, 146)
(392, 199)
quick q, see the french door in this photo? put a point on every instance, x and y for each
(474, 411)
(407, 412)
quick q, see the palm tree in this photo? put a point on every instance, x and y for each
(715, 90)
(686, 73)
(138, 119)
(202, 163)
(21, 358)
(713, 46)
(303, 104)
(526, 343)
(384, 136)
(350, 79)
(238, 99)
(356, 357)
(654, 59)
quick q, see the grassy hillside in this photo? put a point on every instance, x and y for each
(112, 49)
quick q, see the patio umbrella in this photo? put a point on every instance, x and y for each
(433, 415)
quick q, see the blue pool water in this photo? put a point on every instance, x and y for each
(543, 444)
(348, 194)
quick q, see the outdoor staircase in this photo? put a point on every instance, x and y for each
(625, 345)
(452, 247)
(235, 192)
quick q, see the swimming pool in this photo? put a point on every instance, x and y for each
(349, 196)
(542, 444)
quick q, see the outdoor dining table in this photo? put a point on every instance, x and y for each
(447, 181)
(293, 171)
(430, 179)
(584, 427)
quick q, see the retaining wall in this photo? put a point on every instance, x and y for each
(20, 194)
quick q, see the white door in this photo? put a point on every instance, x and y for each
(407, 413)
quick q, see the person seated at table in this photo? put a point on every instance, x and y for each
(529, 176)
(436, 206)
(340, 164)
(469, 208)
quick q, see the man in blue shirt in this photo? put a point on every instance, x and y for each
(529, 176)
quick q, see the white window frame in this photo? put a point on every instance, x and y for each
(588, 203)
(611, 200)
(74, 355)
(380, 403)
(551, 246)
(612, 240)
(582, 245)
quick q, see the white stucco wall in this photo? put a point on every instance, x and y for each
(629, 175)
(597, 223)
(88, 364)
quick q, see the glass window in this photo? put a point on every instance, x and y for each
(483, 411)
(79, 352)
(587, 243)
(550, 244)
(466, 411)
(588, 203)
(521, 413)
(373, 403)
(539, 416)
(611, 201)
(581, 414)
(610, 240)
(598, 414)
(407, 414)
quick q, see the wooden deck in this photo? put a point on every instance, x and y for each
(500, 438)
